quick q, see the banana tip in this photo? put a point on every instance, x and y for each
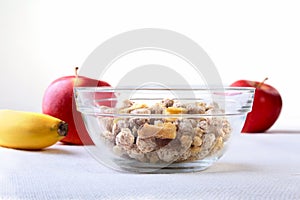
(62, 128)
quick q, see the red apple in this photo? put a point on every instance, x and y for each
(58, 101)
(266, 107)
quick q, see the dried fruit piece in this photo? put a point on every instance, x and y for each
(175, 110)
(168, 131)
(148, 131)
(162, 131)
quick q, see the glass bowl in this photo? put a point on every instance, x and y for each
(161, 130)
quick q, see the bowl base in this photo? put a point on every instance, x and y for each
(183, 167)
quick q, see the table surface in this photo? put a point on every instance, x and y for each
(256, 166)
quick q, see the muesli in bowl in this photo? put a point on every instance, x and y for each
(161, 130)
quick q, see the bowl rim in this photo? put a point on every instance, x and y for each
(175, 88)
(223, 92)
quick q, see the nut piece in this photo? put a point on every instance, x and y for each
(145, 111)
(109, 136)
(146, 145)
(165, 131)
(197, 141)
(168, 155)
(186, 141)
(106, 123)
(156, 109)
(152, 157)
(118, 150)
(218, 145)
(135, 153)
(125, 139)
(118, 124)
(194, 108)
(168, 102)
(127, 103)
(208, 141)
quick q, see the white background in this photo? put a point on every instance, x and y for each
(41, 41)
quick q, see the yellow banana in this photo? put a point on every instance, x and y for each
(30, 130)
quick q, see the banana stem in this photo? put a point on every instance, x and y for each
(62, 128)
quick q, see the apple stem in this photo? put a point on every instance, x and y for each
(76, 71)
(261, 83)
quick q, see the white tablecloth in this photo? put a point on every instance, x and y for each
(260, 166)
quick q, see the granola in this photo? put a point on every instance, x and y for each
(171, 138)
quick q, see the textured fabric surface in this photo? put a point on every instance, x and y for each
(261, 166)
